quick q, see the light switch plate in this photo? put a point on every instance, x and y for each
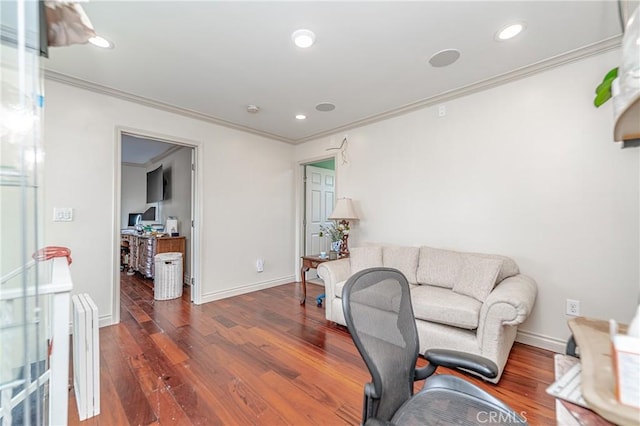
(62, 214)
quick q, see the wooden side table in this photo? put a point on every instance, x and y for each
(309, 262)
(598, 376)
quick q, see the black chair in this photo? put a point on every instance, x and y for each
(379, 315)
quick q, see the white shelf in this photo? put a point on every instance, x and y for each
(627, 125)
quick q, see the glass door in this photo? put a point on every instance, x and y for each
(24, 312)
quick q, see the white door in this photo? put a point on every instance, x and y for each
(192, 245)
(320, 199)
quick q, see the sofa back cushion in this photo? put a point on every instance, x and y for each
(364, 257)
(404, 259)
(442, 268)
(439, 267)
(509, 267)
(477, 276)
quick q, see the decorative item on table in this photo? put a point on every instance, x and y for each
(343, 213)
(626, 359)
(335, 232)
(172, 226)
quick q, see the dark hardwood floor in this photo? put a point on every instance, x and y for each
(259, 358)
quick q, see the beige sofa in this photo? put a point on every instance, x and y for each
(469, 302)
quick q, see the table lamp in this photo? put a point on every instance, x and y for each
(343, 213)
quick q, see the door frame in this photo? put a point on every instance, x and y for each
(300, 205)
(196, 211)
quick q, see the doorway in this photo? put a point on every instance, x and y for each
(319, 200)
(140, 157)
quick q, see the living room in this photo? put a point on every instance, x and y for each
(524, 166)
(526, 169)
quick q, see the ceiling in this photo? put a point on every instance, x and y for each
(141, 151)
(371, 59)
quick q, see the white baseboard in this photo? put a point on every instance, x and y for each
(103, 321)
(217, 295)
(541, 341)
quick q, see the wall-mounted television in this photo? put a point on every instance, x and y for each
(155, 185)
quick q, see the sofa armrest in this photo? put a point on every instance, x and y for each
(332, 273)
(508, 304)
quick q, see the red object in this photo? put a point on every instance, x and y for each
(50, 252)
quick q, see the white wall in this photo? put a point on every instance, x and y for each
(134, 192)
(527, 169)
(178, 164)
(246, 209)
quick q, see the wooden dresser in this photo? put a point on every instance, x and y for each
(143, 249)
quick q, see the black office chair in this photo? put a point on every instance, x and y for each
(379, 315)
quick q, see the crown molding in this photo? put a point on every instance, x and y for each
(125, 163)
(165, 154)
(157, 158)
(109, 91)
(520, 73)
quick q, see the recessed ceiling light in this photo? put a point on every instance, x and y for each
(303, 38)
(325, 106)
(101, 42)
(444, 58)
(510, 31)
(301, 117)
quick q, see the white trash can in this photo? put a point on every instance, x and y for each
(168, 276)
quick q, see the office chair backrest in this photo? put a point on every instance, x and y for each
(379, 315)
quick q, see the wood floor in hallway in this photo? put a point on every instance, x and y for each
(256, 359)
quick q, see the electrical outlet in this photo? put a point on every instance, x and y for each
(62, 214)
(573, 307)
(442, 111)
(260, 265)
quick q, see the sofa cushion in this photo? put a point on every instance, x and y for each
(364, 257)
(439, 267)
(443, 306)
(509, 267)
(404, 259)
(478, 276)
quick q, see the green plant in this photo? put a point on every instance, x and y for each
(603, 91)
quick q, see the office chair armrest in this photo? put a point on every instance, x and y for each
(424, 372)
(461, 360)
(369, 403)
(370, 391)
(572, 347)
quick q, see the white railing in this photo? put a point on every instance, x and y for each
(58, 290)
(18, 271)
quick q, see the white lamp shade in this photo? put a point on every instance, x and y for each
(343, 210)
